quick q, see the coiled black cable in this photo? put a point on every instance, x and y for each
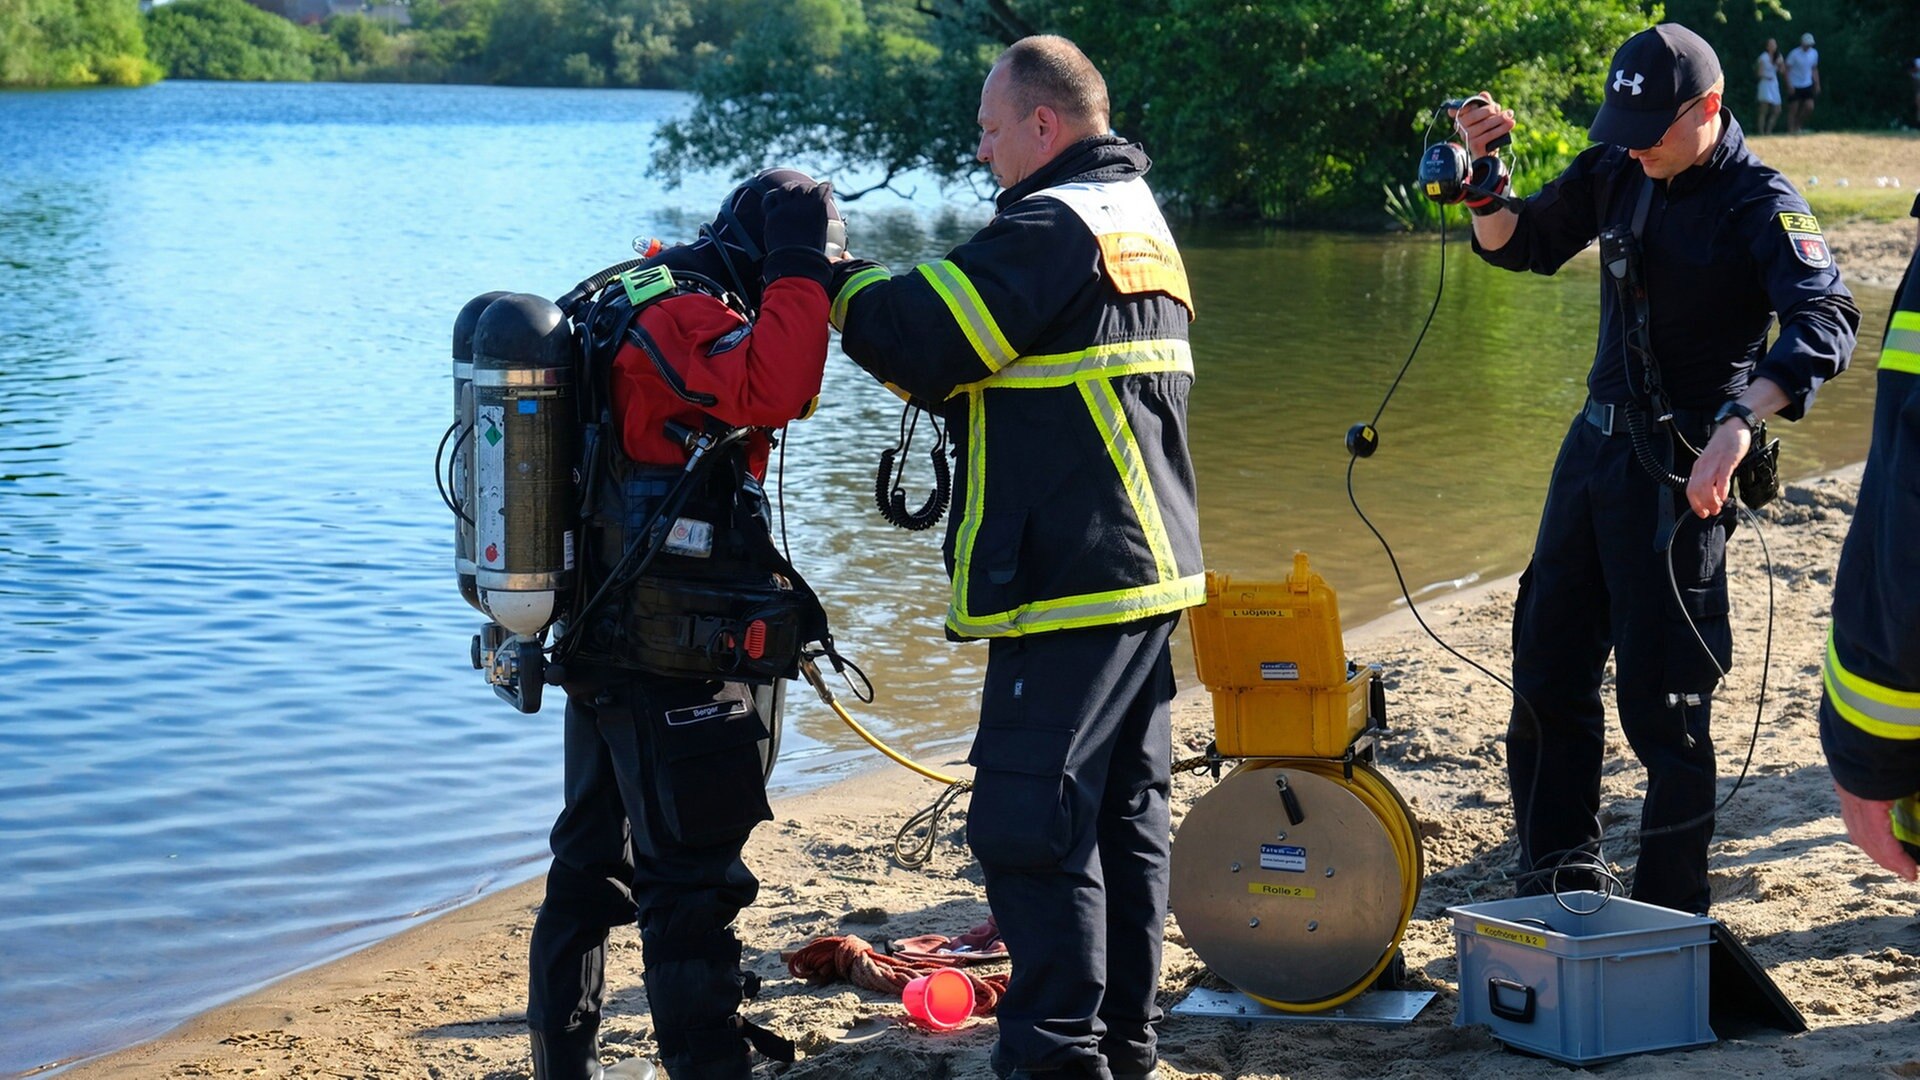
(888, 493)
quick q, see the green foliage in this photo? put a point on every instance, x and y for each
(834, 85)
(1286, 109)
(229, 39)
(73, 43)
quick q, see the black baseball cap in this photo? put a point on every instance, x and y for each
(1658, 70)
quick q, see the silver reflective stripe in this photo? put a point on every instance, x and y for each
(1100, 362)
(1124, 449)
(970, 312)
(1874, 709)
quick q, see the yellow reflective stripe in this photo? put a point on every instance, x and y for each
(970, 312)
(1901, 350)
(969, 530)
(1906, 819)
(1092, 609)
(838, 313)
(1874, 709)
(1099, 362)
(1109, 416)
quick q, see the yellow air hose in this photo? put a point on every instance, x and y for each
(819, 684)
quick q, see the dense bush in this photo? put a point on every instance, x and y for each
(231, 39)
(73, 43)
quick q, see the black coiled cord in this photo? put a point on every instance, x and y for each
(888, 494)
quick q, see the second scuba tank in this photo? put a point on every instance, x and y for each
(460, 470)
(524, 435)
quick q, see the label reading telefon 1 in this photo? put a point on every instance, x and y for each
(1283, 857)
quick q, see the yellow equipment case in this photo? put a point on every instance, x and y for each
(1272, 656)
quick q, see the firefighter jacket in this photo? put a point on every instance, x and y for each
(1870, 716)
(1726, 245)
(1054, 342)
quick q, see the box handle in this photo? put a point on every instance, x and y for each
(1520, 1015)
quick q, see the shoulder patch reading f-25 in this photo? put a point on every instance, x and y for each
(1799, 223)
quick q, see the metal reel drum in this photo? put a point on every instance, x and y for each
(1294, 914)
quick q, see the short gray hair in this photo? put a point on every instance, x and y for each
(1049, 70)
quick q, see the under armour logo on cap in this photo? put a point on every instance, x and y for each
(1654, 75)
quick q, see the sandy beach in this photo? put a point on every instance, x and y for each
(1838, 935)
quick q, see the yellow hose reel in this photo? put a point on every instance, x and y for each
(1293, 878)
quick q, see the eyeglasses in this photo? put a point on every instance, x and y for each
(1681, 115)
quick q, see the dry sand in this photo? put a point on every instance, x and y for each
(1839, 935)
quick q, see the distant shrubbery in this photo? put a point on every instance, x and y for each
(73, 43)
(232, 40)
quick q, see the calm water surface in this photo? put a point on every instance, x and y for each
(238, 731)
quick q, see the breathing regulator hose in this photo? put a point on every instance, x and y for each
(1396, 818)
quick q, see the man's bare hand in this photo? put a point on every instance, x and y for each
(1481, 124)
(1870, 826)
(1713, 473)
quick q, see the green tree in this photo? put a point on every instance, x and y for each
(73, 43)
(360, 40)
(585, 42)
(1283, 109)
(229, 39)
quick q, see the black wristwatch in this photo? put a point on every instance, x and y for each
(1731, 410)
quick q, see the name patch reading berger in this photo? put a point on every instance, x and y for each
(1516, 936)
(718, 710)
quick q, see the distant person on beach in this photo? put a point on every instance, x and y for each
(664, 774)
(1055, 344)
(1803, 84)
(1766, 71)
(1870, 713)
(1627, 561)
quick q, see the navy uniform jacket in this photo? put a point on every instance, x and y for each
(1055, 344)
(1727, 244)
(1870, 717)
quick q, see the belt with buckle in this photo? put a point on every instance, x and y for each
(1601, 414)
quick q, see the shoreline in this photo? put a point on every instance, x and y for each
(445, 998)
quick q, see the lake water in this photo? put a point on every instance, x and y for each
(239, 735)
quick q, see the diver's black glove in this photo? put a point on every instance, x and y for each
(795, 232)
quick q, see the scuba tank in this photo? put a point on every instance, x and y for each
(459, 474)
(524, 435)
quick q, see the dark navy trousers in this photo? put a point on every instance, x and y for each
(1069, 821)
(1599, 583)
(664, 782)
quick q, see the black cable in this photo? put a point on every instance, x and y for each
(1567, 861)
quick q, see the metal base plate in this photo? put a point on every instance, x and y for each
(1377, 1008)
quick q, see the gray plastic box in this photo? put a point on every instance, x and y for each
(1626, 979)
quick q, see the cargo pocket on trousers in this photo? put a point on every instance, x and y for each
(1019, 817)
(708, 772)
(1699, 643)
